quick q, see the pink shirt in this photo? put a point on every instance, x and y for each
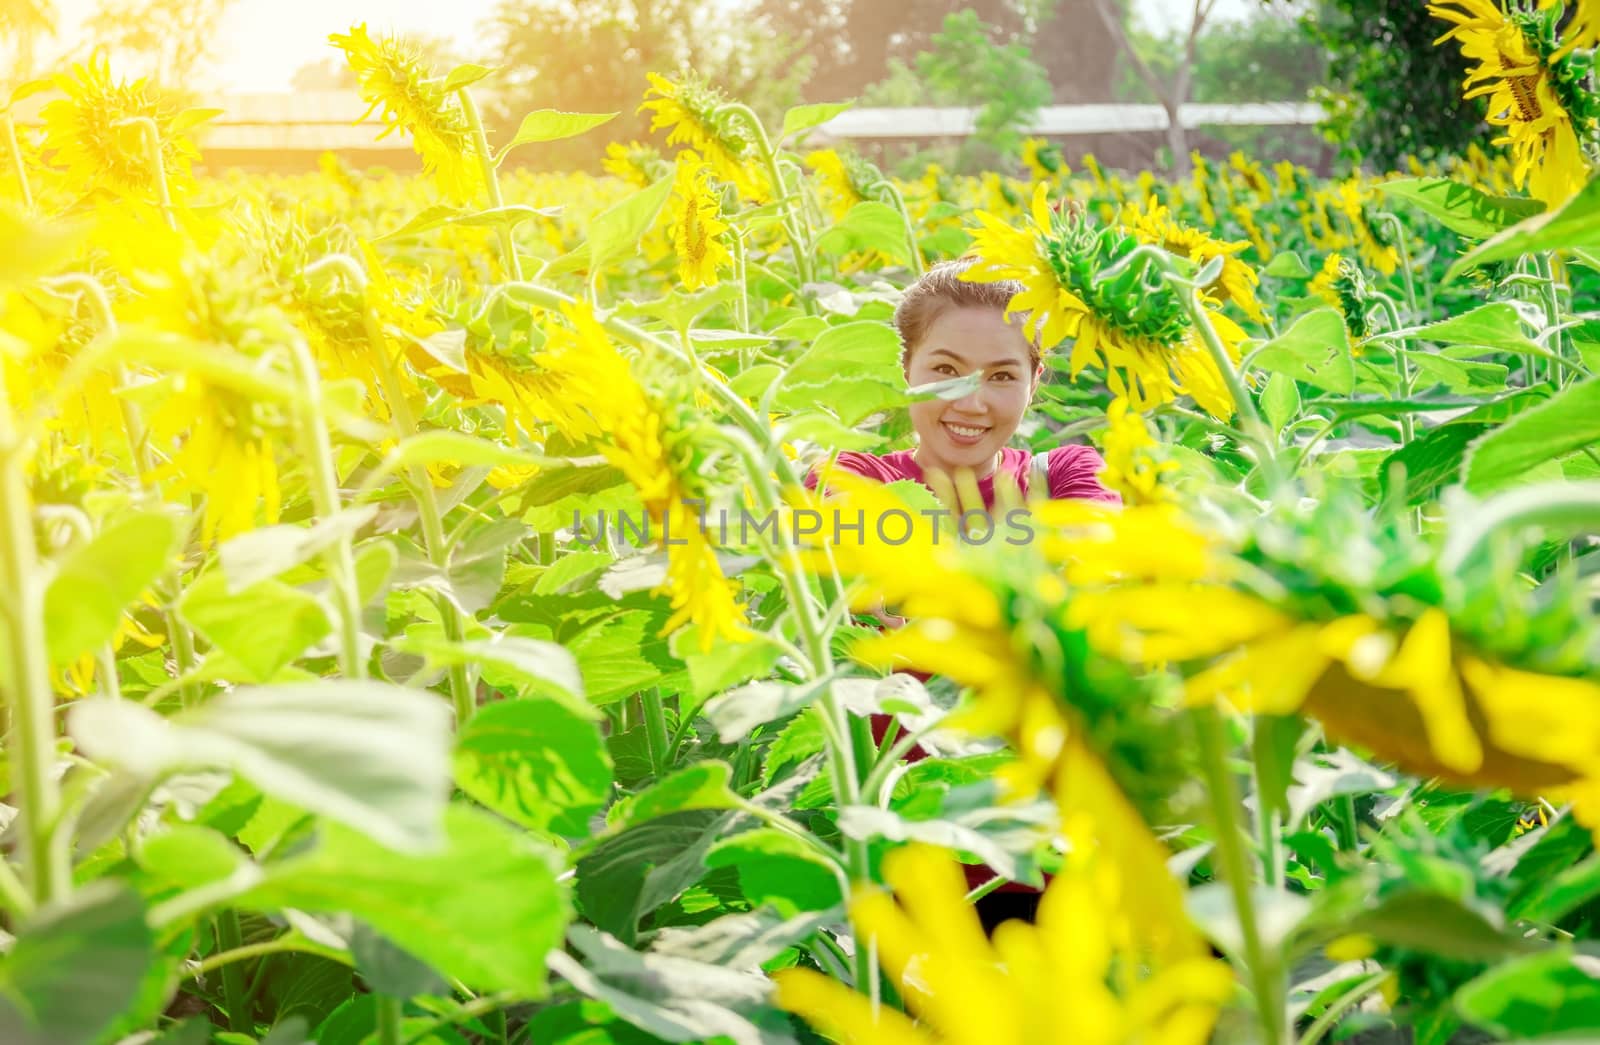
(1071, 470)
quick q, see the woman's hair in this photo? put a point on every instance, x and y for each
(941, 289)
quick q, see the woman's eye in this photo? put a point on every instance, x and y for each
(944, 368)
(1004, 375)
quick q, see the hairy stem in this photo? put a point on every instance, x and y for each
(491, 178)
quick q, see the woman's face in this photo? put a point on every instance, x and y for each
(969, 432)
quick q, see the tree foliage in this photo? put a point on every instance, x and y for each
(1392, 91)
(174, 36)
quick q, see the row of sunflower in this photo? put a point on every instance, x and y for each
(293, 464)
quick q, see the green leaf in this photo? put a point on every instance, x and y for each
(98, 579)
(1566, 422)
(676, 999)
(263, 628)
(536, 762)
(822, 430)
(850, 370)
(1316, 350)
(389, 968)
(1459, 375)
(868, 226)
(1432, 459)
(617, 230)
(439, 215)
(1286, 264)
(74, 967)
(802, 118)
(1549, 993)
(371, 755)
(548, 125)
(778, 869)
(737, 712)
(484, 908)
(1562, 893)
(442, 444)
(728, 664)
(188, 855)
(1461, 208)
(872, 823)
(34, 248)
(1423, 920)
(262, 554)
(620, 657)
(1575, 225)
(704, 785)
(1495, 325)
(1280, 401)
(628, 875)
(189, 119)
(465, 75)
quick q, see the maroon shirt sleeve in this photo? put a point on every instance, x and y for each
(1073, 474)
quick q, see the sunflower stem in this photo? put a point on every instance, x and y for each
(1266, 978)
(1250, 418)
(150, 135)
(898, 202)
(339, 559)
(1404, 250)
(229, 938)
(791, 221)
(25, 661)
(389, 1013)
(94, 297)
(435, 543)
(1551, 300)
(17, 165)
(655, 731)
(1402, 369)
(491, 178)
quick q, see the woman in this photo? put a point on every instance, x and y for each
(950, 328)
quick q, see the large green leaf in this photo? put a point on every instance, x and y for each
(618, 230)
(1316, 350)
(626, 876)
(676, 999)
(548, 125)
(536, 762)
(805, 117)
(1495, 325)
(259, 555)
(1462, 208)
(100, 578)
(1551, 993)
(262, 629)
(1575, 225)
(778, 869)
(484, 908)
(1566, 422)
(868, 226)
(370, 755)
(74, 967)
(704, 785)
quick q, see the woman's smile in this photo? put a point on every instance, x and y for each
(965, 434)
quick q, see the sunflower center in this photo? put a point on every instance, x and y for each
(1136, 301)
(1525, 91)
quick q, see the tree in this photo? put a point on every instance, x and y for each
(25, 22)
(1172, 91)
(175, 36)
(1393, 91)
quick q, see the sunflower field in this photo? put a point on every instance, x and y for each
(417, 629)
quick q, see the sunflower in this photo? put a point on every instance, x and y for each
(847, 180)
(87, 134)
(1134, 463)
(393, 74)
(1236, 282)
(1112, 959)
(1043, 160)
(692, 114)
(649, 440)
(1523, 94)
(1133, 326)
(1339, 283)
(1353, 622)
(696, 229)
(636, 163)
(1584, 29)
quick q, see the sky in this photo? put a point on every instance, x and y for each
(264, 41)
